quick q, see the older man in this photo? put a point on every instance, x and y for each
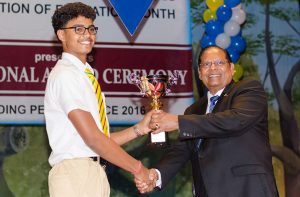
(224, 135)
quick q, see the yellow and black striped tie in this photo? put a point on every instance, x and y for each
(101, 105)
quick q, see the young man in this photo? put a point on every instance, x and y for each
(224, 135)
(76, 121)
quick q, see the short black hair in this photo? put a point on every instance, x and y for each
(70, 11)
(227, 56)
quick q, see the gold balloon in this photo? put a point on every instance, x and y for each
(238, 72)
(214, 4)
(209, 15)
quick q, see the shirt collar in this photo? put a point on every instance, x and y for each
(209, 95)
(75, 61)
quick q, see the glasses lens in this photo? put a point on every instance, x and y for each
(220, 62)
(92, 30)
(79, 30)
(206, 64)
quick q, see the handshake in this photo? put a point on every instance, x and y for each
(146, 181)
(157, 121)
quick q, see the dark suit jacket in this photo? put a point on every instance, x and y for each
(234, 159)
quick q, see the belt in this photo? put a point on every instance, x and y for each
(101, 161)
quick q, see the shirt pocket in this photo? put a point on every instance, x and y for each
(253, 179)
(248, 169)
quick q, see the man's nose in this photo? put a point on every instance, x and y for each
(213, 66)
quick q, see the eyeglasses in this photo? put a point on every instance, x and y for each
(80, 30)
(217, 63)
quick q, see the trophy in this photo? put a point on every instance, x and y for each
(154, 87)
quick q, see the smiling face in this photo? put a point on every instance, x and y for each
(77, 45)
(215, 77)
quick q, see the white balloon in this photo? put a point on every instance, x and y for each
(239, 6)
(223, 40)
(238, 15)
(232, 28)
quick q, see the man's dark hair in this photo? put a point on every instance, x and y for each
(227, 56)
(70, 11)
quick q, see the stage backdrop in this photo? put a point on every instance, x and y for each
(29, 50)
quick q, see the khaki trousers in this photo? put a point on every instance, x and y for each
(80, 177)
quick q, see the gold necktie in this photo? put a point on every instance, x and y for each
(101, 106)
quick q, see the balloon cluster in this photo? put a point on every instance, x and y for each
(223, 20)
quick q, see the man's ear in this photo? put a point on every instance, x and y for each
(232, 68)
(199, 73)
(61, 35)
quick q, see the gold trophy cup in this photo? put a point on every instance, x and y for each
(154, 87)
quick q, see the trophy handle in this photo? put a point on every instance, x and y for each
(134, 78)
(172, 80)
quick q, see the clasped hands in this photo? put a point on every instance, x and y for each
(146, 182)
(160, 121)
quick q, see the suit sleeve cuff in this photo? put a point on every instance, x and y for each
(158, 182)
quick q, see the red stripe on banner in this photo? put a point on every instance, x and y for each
(144, 44)
(26, 68)
(27, 41)
(139, 96)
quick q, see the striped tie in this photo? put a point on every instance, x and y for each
(213, 102)
(101, 106)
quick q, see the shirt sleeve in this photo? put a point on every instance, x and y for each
(69, 89)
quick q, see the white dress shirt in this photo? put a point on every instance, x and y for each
(68, 88)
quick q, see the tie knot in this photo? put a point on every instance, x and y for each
(88, 71)
(214, 99)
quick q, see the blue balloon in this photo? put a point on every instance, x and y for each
(224, 13)
(240, 33)
(214, 27)
(238, 43)
(232, 3)
(207, 41)
(234, 55)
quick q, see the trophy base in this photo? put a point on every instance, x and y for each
(158, 140)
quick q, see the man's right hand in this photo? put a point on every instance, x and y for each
(149, 185)
(162, 121)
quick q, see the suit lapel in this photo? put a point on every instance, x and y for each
(225, 93)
